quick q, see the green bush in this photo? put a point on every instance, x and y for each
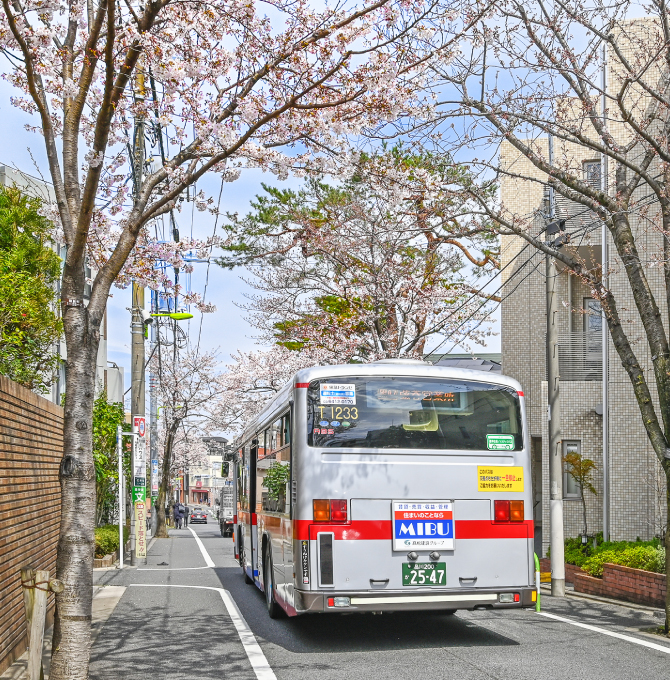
(107, 539)
(645, 557)
(657, 563)
(579, 554)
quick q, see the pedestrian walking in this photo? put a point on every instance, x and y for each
(177, 516)
(186, 511)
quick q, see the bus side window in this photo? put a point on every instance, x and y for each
(242, 491)
(278, 452)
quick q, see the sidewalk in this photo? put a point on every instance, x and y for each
(105, 599)
(570, 592)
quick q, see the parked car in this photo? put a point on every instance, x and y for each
(198, 515)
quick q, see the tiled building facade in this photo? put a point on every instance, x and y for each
(637, 484)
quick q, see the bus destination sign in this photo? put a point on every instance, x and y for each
(338, 394)
(423, 525)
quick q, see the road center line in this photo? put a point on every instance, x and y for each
(620, 636)
(253, 650)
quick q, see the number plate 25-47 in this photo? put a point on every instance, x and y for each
(424, 574)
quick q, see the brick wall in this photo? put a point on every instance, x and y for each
(624, 583)
(571, 570)
(31, 447)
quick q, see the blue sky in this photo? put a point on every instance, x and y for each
(226, 329)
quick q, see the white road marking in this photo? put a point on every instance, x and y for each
(208, 560)
(253, 650)
(170, 568)
(251, 647)
(620, 636)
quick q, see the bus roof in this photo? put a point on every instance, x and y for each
(385, 367)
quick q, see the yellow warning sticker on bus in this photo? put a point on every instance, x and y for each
(499, 478)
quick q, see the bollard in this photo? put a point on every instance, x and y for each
(537, 582)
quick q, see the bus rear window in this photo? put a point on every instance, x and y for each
(409, 413)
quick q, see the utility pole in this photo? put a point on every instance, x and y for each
(604, 331)
(153, 428)
(554, 417)
(119, 453)
(137, 409)
(137, 529)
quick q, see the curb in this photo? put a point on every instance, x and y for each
(606, 600)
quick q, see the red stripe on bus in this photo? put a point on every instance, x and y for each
(520, 393)
(376, 530)
(302, 385)
(254, 519)
(475, 528)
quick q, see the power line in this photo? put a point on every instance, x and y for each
(515, 273)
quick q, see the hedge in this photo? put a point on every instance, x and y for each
(107, 539)
(647, 555)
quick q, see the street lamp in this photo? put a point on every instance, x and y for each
(176, 316)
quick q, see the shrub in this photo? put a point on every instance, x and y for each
(107, 539)
(578, 553)
(645, 557)
(657, 563)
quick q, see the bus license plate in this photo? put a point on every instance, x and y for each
(424, 574)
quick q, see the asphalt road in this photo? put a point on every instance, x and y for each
(174, 621)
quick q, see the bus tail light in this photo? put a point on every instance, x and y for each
(338, 510)
(508, 511)
(501, 511)
(516, 511)
(321, 510)
(329, 510)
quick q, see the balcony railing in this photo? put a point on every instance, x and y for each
(580, 356)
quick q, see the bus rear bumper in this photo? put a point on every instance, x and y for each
(397, 600)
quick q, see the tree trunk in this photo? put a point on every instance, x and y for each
(161, 528)
(667, 552)
(74, 564)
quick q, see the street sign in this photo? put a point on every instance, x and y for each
(139, 494)
(154, 477)
(140, 481)
(141, 528)
(139, 425)
(140, 458)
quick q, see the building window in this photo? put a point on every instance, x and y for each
(593, 325)
(570, 486)
(592, 174)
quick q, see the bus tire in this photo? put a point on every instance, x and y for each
(274, 610)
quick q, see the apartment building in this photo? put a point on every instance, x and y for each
(636, 486)
(108, 375)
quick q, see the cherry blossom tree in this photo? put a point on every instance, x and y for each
(531, 73)
(184, 447)
(371, 268)
(190, 387)
(220, 86)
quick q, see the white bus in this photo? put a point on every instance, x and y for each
(395, 485)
